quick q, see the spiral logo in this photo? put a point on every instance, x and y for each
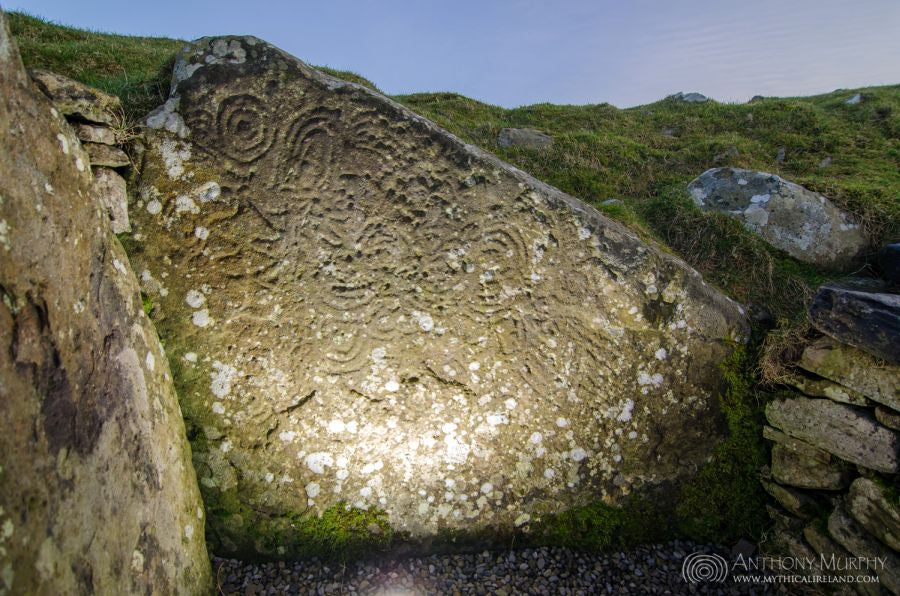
(698, 567)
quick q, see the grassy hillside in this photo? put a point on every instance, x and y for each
(643, 156)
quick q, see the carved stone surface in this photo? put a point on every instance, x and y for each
(363, 309)
(97, 493)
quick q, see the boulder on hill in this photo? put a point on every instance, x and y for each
(97, 492)
(691, 97)
(523, 137)
(798, 221)
(368, 313)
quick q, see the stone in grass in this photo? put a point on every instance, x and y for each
(109, 188)
(867, 320)
(876, 509)
(889, 262)
(850, 535)
(848, 432)
(855, 369)
(690, 97)
(78, 100)
(93, 133)
(819, 387)
(798, 221)
(523, 137)
(106, 155)
(795, 469)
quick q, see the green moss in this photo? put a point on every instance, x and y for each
(725, 501)
(147, 303)
(341, 532)
(598, 526)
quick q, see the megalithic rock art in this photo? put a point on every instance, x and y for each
(365, 310)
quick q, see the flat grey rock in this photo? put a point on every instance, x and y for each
(523, 137)
(798, 221)
(853, 434)
(869, 321)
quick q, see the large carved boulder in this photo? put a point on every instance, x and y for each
(97, 492)
(364, 310)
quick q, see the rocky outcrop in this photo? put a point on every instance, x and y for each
(850, 433)
(798, 221)
(97, 492)
(523, 137)
(864, 319)
(97, 120)
(853, 369)
(841, 455)
(691, 97)
(77, 100)
(367, 312)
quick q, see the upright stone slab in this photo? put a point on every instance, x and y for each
(367, 311)
(97, 492)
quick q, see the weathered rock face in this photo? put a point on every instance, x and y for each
(802, 223)
(854, 369)
(867, 320)
(876, 511)
(72, 98)
(366, 310)
(97, 492)
(848, 432)
(691, 97)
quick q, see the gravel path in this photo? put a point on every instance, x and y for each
(645, 570)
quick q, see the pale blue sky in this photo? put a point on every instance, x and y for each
(515, 52)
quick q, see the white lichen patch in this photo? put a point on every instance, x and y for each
(317, 462)
(120, 267)
(63, 142)
(221, 379)
(625, 413)
(426, 323)
(174, 154)
(201, 318)
(195, 298)
(166, 117)
(185, 204)
(150, 361)
(153, 207)
(201, 232)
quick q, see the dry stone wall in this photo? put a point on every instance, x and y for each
(97, 491)
(366, 312)
(836, 450)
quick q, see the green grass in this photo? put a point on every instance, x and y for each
(644, 156)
